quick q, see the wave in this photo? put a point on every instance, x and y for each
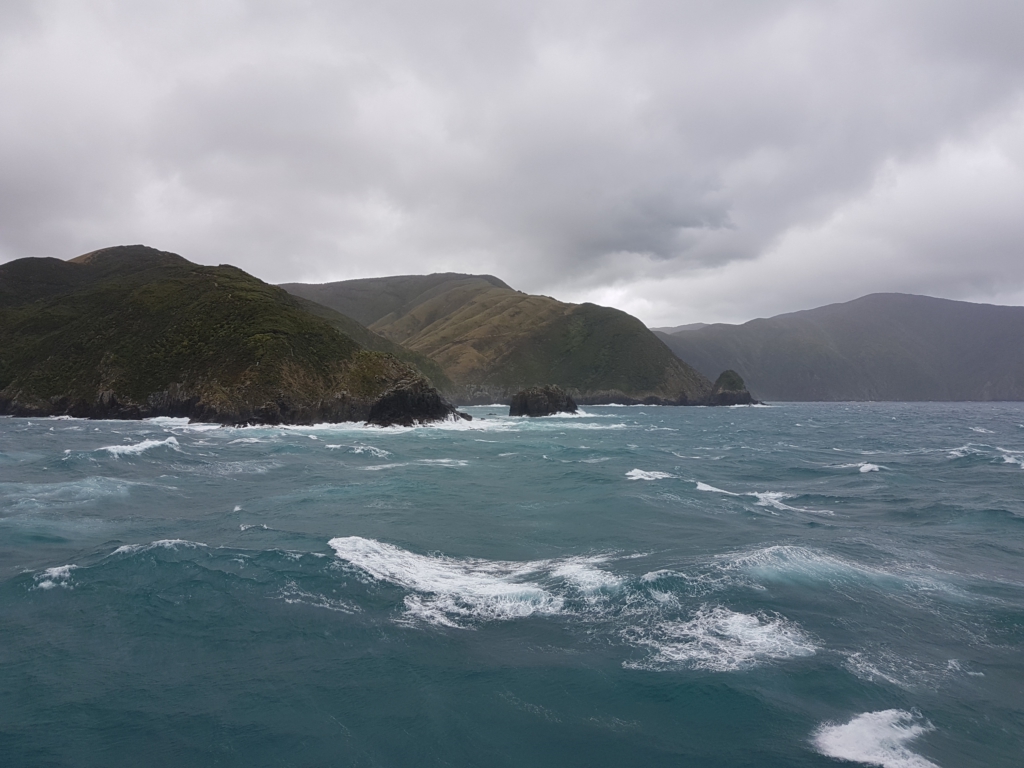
(452, 591)
(293, 595)
(132, 549)
(771, 499)
(49, 495)
(1012, 457)
(787, 563)
(875, 738)
(639, 474)
(774, 499)
(711, 489)
(133, 450)
(719, 640)
(60, 576)
(378, 453)
(863, 467)
(966, 451)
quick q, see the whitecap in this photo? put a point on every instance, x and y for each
(131, 450)
(711, 489)
(982, 430)
(719, 640)
(450, 591)
(639, 474)
(59, 576)
(875, 738)
(1012, 457)
(377, 453)
(774, 499)
(964, 451)
(131, 549)
(863, 467)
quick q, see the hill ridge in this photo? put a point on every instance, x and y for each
(881, 346)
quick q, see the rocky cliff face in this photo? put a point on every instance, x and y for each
(541, 401)
(131, 332)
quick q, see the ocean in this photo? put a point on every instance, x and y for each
(796, 585)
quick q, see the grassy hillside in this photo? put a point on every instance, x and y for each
(879, 347)
(492, 341)
(373, 298)
(131, 331)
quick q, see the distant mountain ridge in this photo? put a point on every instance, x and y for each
(493, 341)
(884, 346)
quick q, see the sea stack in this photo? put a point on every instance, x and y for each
(731, 390)
(541, 401)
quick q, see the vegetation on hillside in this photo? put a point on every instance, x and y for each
(131, 331)
(492, 341)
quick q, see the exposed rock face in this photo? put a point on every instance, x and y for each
(730, 390)
(541, 401)
(408, 402)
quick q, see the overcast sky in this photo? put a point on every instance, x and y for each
(684, 161)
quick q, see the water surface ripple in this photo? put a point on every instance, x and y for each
(770, 586)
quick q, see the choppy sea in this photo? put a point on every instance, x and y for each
(798, 585)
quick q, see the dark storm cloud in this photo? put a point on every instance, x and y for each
(686, 161)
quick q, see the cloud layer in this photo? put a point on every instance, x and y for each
(684, 161)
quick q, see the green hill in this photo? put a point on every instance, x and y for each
(130, 331)
(884, 346)
(492, 341)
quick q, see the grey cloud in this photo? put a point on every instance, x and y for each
(647, 152)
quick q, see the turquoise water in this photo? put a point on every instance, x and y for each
(767, 586)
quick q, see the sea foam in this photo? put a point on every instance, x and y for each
(59, 576)
(719, 640)
(131, 450)
(875, 738)
(451, 591)
(639, 474)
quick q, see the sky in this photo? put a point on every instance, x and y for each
(683, 161)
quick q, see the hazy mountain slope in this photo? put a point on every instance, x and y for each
(680, 328)
(879, 347)
(131, 331)
(370, 299)
(492, 340)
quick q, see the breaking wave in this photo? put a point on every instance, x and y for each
(639, 474)
(719, 640)
(132, 450)
(875, 738)
(448, 590)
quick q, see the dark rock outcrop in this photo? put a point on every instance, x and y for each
(409, 402)
(541, 401)
(730, 390)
